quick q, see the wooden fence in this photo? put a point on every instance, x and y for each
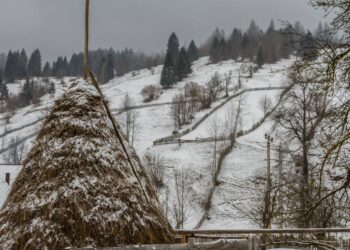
(173, 139)
(305, 238)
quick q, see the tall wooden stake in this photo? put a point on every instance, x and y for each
(267, 198)
(86, 43)
(280, 171)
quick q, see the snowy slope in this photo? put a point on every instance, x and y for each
(155, 122)
(235, 194)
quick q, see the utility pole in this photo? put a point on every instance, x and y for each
(86, 43)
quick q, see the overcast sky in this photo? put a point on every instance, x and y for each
(55, 26)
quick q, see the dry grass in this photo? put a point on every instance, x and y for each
(81, 184)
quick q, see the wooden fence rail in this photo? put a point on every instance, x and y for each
(307, 238)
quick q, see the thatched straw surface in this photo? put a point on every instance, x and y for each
(81, 184)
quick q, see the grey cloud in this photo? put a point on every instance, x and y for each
(55, 26)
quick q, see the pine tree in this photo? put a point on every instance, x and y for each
(4, 94)
(254, 35)
(309, 47)
(60, 68)
(260, 58)
(10, 68)
(169, 74)
(215, 51)
(107, 69)
(22, 64)
(168, 77)
(246, 46)
(65, 67)
(192, 52)
(47, 70)
(27, 93)
(223, 55)
(76, 64)
(183, 65)
(34, 64)
(235, 43)
(173, 47)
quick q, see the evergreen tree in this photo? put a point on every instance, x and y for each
(319, 32)
(65, 67)
(271, 45)
(60, 68)
(192, 52)
(169, 74)
(76, 64)
(183, 66)
(168, 77)
(107, 69)
(4, 94)
(223, 55)
(254, 35)
(215, 51)
(47, 70)
(309, 47)
(22, 64)
(260, 58)
(34, 64)
(173, 47)
(9, 71)
(235, 43)
(27, 93)
(289, 41)
(245, 46)
(271, 26)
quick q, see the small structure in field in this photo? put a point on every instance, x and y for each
(81, 184)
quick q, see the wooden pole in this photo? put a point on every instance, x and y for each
(86, 43)
(280, 175)
(267, 198)
(267, 210)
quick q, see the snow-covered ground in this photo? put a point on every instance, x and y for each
(192, 159)
(235, 194)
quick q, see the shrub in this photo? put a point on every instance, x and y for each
(151, 92)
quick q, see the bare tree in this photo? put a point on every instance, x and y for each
(182, 110)
(302, 115)
(228, 80)
(15, 155)
(193, 92)
(215, 130)
(265, 104)
(233, 118)
(204, 98)
(129, 118)
(7, 118)
(155, 164)
(181, 209)
(214, 86)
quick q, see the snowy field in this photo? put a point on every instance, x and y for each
(191, 159)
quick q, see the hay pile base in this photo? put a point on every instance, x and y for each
(81, 184)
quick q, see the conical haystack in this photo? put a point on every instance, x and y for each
(81, 184)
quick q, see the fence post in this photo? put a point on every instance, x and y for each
(184, 238)
(253, 243)
(7, 178)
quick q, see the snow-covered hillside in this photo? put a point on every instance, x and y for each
(155, 122)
